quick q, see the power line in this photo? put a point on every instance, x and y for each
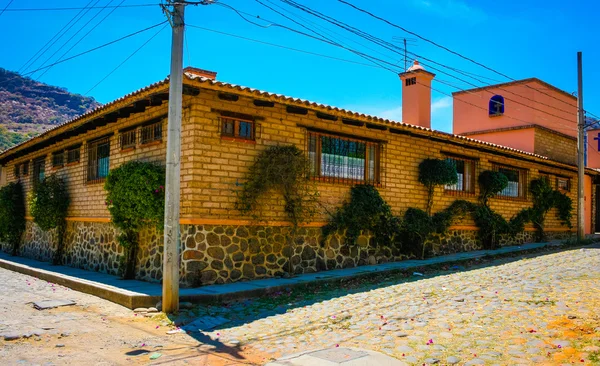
(26, 65)
(6, 7)
(126, 59)
(91, 7)
(96, 48)
(85, 35)
(283, 47)
(442, 47)
(392, 48)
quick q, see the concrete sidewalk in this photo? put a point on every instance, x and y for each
(133, 293)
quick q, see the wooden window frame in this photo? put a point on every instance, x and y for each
(128, 139)
(235, 136)
(37, 164)
(54, 159)
(523, 182)
(150, 132)
(69, 153)
(25, 169)
(568, 180)
(474, 167)
(17, 171)
(93, 172)
(315, 173)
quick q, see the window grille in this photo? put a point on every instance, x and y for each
(465, 171)
(73, 155)
(517, 182)
(25, 169)
(39, 169)
(237, 128)
(410, 81)
(151, 133)
(17, 171)
(128, 139)
(337, 159)
(98, 160)
(58, 159)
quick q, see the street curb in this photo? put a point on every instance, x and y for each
(132, 300)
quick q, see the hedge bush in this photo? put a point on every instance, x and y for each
(12, 214)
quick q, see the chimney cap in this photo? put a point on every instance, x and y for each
(416, 66)
(194, 71)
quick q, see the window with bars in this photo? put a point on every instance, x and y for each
(344, 160)
(98, 160)
(128, 139)
(151, 133)
(517, 182)
(25, 169)
(563, 183)
(465, 171)
(237, 128)
(17, 171)
(39, 169)
(58, 159)
(73, 155)
(410, 81)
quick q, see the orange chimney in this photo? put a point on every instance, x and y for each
(416, 95)
(200, 72)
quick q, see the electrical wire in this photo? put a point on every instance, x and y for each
(443, 47)
(96, 48)
(6, 7)
(60, 34)
(283, 47)
(126, 59)
(85, 35)
(84, 8)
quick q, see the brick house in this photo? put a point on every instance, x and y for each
(224, 127)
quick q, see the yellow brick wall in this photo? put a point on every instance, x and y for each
(555, 146)
(212, 169)
(218, 166)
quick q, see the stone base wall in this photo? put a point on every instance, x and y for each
(221, 254)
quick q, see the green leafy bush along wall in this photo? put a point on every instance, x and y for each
(48, 203)
(365, 211)
(12, 214)
(282, 169)
(434, 173)
(135, 199)
(490, 184)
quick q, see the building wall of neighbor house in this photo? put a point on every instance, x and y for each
(556, 146)
(219, 244)
(522, 106)
(593, 151)
(520, 139)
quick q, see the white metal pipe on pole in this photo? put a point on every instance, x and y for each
(170, 293)
(580, 152)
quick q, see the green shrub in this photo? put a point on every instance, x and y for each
(48, 203)
(12, 214)
(417, 225)
(283, 169)
(135, 199)
(436, 172)
(491, 183)
(365, 211)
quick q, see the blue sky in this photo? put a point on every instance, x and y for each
(518, 38)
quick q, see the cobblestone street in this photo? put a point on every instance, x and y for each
(535, 311)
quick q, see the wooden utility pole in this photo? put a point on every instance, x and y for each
(580, 151)
(170, 293)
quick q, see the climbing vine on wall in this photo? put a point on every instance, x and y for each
(135, 199)
(12, 214)
(48, 203)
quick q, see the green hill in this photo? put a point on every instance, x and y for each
(28, 107)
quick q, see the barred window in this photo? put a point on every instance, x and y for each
(17, 171)
(25, 169)
(73, 155)
(98, 159)
(128, 139)
(340, 159)
(39, 169)
(517, 182)
(465, 171)
(563, 183)
(237, 128)
(151, 133)
(58, 159)
(410, 81)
